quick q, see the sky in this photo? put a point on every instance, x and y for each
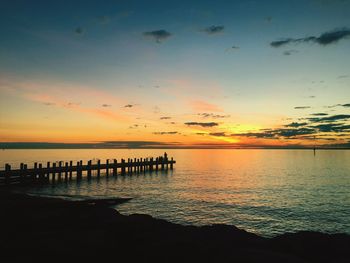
(222, 74)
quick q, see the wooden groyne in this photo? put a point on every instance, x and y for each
(58, 171)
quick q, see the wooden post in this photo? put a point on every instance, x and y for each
(48, 171)
(59, 170)
(35, 172)
(79, 172)
(162, 163)
(128, 166)
(151, 164)
(70, 169)
(98, 168)
(140, 164)
(25, 172)
(157, 160)
(41, 174)
(81, 169)
(66, 172)
(114, 167)
(89, 170)
(107, 167)
(53, 172)
(7, 173)
(123, 167)
(131, 165)
(21, 173)
(171, 164)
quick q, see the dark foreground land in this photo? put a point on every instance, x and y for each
(35, 229)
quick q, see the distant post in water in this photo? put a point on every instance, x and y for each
(171, 163)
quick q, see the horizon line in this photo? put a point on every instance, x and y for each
(155, 145)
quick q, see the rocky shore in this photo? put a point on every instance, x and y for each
(36, 228)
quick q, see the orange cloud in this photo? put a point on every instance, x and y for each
(204, 106)
(109, 115)
(65, 96)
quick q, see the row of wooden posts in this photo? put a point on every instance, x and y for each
(47, 174)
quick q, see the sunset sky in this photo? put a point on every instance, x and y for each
(176, 73)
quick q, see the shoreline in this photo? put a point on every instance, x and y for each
(42, 227)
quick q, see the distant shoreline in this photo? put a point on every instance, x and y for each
(154, 145)
(168, 148)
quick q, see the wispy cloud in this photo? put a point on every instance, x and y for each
(166, 133)
(214, 116)
(165, 118)
(218, 134)
(333, 127)
(330, 118)
(106, 105)
(158, 35)
(319, 114)
(232, 48)
(290, 52)
(212, 30)
(79, 31)
(104, 20)
(324, 39)
(202, 124)
(129, 105)
(277, 133)
(302, 107)
(296, 124)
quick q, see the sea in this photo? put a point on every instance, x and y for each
(264, 191)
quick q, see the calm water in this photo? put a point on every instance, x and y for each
(264, 191)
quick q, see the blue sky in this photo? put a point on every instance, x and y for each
(233, 70)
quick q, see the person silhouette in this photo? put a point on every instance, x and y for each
(165, 156)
